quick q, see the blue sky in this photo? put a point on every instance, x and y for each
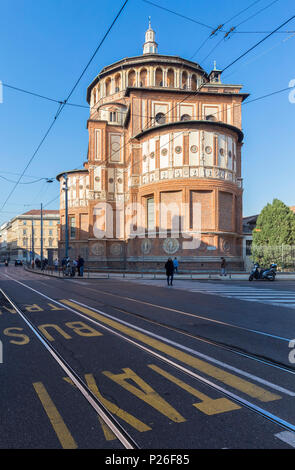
(45, 45)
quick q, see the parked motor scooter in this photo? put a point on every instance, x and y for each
(263, 274)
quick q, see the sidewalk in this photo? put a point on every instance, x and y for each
(196, 276)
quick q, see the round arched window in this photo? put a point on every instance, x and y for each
(160, 118)
(211, 118)
(185, 117)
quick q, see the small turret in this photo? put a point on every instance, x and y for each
(150, 46)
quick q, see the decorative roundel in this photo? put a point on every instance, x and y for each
(208, 149)
(146, 246)
(152, 155)
(87, 186)
(164, 152)
(111, 180)
(120, 181)
(221, 151)
(81, 186)
(178, 149)
(194, 149)
(225, 245)
(170, 245)
(97, 178)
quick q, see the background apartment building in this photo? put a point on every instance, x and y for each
(20, 237)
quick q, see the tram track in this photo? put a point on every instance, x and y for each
(124, 437)
(219, 344)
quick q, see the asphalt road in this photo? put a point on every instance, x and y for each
(187, 367)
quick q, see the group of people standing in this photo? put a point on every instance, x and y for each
(71, 266)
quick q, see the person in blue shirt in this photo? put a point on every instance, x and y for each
(175, 264)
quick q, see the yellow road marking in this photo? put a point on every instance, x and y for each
(114, 409)
(33, 308)
(24, 339)
(60, 428)
(219, 374)
(145, 393)
(208, 405)
(81, 329)
(54, 307)
(108, 434)
(42, 328)
(10, 310)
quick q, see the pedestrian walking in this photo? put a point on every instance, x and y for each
(56, 264)
(80, 266)
(74, 264)
(169, 266)
(223, 267)
(175, 264)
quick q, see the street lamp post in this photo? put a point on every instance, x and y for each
(41, 234)
(65, 188)
(48, 180)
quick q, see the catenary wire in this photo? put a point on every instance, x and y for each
(232, 64)
(61, 106)
(204, 84)
(211, 27)
(235, 27)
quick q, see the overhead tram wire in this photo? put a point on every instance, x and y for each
(258, 43)
(211, 27)
(232, 29)
(256, 57)
(231, 107)
(62, 105)
(203, 84)
(37, 95)
(215, 113)
(219, 28)
(198, 90)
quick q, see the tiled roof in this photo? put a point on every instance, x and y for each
(38, 212)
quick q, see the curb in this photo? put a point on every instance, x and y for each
(180, 277)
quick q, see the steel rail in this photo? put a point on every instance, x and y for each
(227, 393)
(100, 409)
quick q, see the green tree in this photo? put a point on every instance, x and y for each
(274, 235)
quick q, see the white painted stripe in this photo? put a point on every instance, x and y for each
(287, 436)
(192, 351)
(209, 358)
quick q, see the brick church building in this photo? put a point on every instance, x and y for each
(163, 174)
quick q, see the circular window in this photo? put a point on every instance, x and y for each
(97, 178)
(164, 152)
(229, 153)
(144, 158)
(120, 181)
(208, 149)
(178, 149)
(194, 149)
(160, 118)
(221, 151)
(152, 155)
(111, 180)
